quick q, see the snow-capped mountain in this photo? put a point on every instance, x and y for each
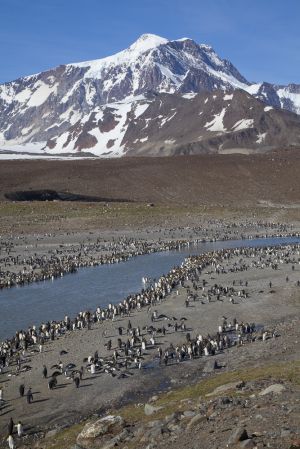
(93, 106)
(285, 97)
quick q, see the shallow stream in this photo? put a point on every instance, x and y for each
(91, 287)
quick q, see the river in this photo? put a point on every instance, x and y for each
(35, 303)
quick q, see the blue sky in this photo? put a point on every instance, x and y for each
(260, 37)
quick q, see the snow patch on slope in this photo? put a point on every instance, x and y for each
(217, 122)
(30, 147)
(189, 95)
(284, 93)
(253, 89)
(41, 94)
(261, 137)
(243, 124)
(167, 119)
(108, 143)
(115, 136)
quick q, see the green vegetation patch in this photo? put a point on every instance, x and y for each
(175, 400)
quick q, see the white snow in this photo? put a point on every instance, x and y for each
(217, 122)
(40, 95)
(23, 96)
(228, 97)
(29, 147)
(253, 88)
(243, 124)
(144, 139)
(141, 52)
(215, 58)
(46, 156)
(70, 92)
(170, 141)
(261, 137)
(206, 47)
(182, 39)
(6, 92)
(170, 75)
(25, 131)
(147, 120)
(145, 43)
(189, 95)
(140, 109)
(268, 108)
(284, 93)
(116, 134)
(90, 92)
(167, 119)
(227, 78)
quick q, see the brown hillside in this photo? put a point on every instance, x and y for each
(206, 179)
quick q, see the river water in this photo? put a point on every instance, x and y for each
(91, 287)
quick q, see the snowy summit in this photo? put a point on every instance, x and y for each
(92, 106)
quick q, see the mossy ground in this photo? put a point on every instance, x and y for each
(174, 400)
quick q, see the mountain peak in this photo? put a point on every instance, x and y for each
(146, 42)
(71, 107)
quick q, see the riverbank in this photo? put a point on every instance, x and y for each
(37, 257)
(265, 305)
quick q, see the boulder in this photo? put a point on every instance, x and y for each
(247, 444)
(240, 434)
(98, 429)
(116, 440)
(174, 417)
(189, 414)
(151, 409)
(196, 420)
(224, 388)
(275, 389)
(174, 428)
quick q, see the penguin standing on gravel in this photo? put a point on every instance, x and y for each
(45, 372)
(21, 390)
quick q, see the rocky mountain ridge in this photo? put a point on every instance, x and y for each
(94, 107)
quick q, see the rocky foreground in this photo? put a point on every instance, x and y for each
(254, 409)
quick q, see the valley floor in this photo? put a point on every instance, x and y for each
(177, 199)
(275, 308)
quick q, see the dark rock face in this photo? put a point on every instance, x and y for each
(209, 122)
